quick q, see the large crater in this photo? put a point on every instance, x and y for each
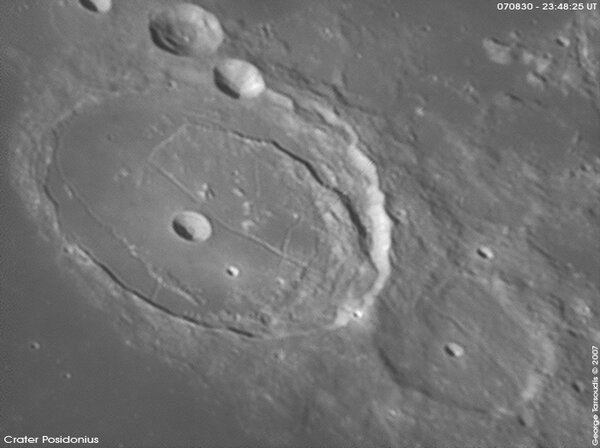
(232, 220)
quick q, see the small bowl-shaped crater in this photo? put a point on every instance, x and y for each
(233, 271)
(186, 30)
(485, 252)
(192, 226)
(99, 6)
(239, 79)
(454, 350)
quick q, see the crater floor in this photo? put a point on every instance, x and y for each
(282, 204)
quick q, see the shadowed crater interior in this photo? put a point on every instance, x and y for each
(192, 226)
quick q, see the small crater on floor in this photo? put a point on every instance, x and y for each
(485, 252)
(578, 386)
(454, 350)
(192, 226)
(233, 271)
(563, 41)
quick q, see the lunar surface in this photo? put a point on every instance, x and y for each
(336, 224)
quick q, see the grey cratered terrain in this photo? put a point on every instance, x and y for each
(356, 223)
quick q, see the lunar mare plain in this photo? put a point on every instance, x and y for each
(353, 223)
